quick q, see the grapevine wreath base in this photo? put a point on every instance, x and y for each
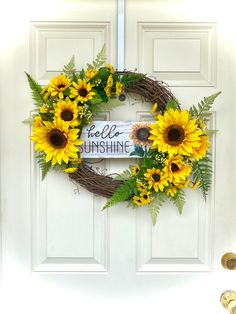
(174, 148)
(151, 91)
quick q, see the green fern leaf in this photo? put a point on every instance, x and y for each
(179, 200)
(122, 193)
(100, 59)
(203, 110)
(155, 205)
(125, 175)
(36, 91)
(44, 166)
(202, 170)
(69, 69)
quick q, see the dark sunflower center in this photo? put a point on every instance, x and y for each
(67, 115)
(57, 138)
(61, 86)
(174, 167)
(142, 134)
(174, 135)
(145, 196)
(156, 177)
(83, 92)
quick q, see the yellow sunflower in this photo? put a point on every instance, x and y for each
(137, 200)
(145, 197)
(109, 68)
(70, 170)
(171, 190)
(154, 108)
(108, 87)
(57, 141)
(176, 169)
(200, 152)
(196, 184)
(107, 90)
(140, 133)
(182, 184)
(141, 186)
(37, 121)
(135, 170)
(119, 87)
(82, 91)
(156, 179)
(57, 86)
(142, 199)
(67, 111)
(175, 133)
(110, 81)
(91, 73)
(43, 109)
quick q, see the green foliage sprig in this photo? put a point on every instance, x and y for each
(36, 91)
(123, 193)
(202, 171)
(69, 69)
(203, 110)
(100, 60)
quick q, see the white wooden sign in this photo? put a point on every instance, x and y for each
(112, 139)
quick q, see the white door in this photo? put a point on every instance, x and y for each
(60, 253)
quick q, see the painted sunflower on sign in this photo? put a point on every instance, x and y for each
(140, 134)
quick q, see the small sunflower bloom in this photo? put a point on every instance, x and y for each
(200, 152)
(110, 68)
(171, 191)
(135, 170)
(156, 179)
(43, 109)
(76, 161)
(110, 81)
(176, 169)
(58, 85)
(119, 87)
(67, 111)
(70, 170)
(137, 200)
(141, 187)
(107, 90)
(37, 121)
(81, 91)
(201, 125)
(182, 184)
(154, 108)
(196, 184)
(145, 197)
(91, 73)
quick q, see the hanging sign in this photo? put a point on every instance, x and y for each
(114, 139)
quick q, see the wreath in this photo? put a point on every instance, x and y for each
(173, 150)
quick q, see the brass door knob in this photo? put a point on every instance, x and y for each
(228, 300)
(228, 261)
